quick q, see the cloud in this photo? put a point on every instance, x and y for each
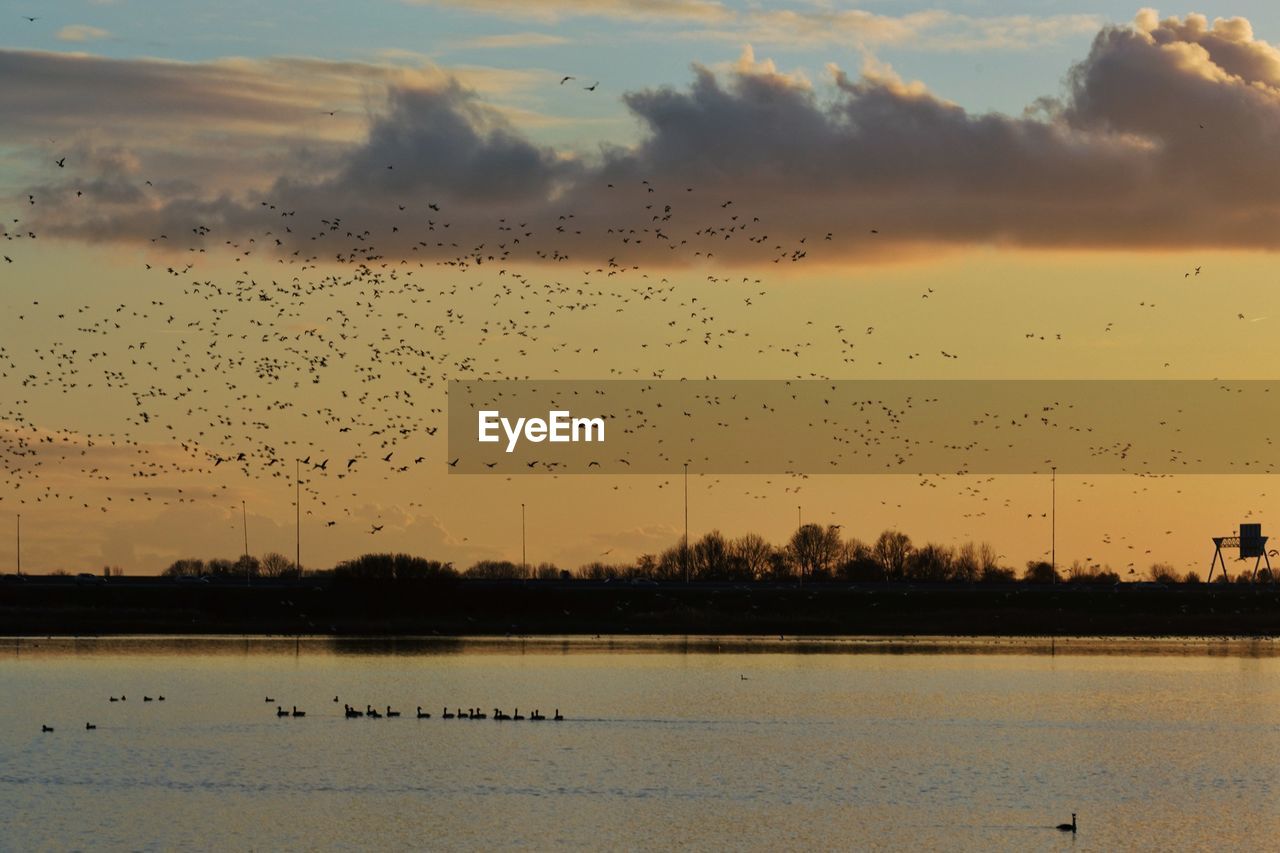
(511, 40)
(444, 141)
(81, 33)
(615, 546)
(175, 120)
(806, 25)
(1164, 137)
(708, 11)
(929, 30)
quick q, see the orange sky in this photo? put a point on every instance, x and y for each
(219, 266)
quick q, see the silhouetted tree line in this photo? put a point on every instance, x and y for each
(397, 567)
(814, 553)
(818, 553)
(271, 565)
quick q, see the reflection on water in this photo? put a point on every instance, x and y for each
(707, 742)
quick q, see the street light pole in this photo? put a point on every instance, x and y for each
(524, 560)
(686, 522)
(244, 522)
(799, 524)
(1053, 521)
(19, 543)
(297, 504)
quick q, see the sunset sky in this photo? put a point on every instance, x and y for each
(280, 232)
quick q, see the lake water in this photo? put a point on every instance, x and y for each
(968, 745)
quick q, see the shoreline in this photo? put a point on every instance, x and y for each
(1256, 646)
(578, 609)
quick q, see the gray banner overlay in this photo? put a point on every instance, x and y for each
(1153, 427)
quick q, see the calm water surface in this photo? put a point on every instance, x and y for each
(959, 745)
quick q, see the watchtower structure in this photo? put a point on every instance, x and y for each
(1250, 543)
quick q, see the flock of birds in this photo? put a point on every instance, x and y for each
(445, 714)
(372, 713)
(316, 346)
(45, 727)
(369, 712)
(347, 342)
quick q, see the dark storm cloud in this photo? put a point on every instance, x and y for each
(1165, 137)
(444, 142)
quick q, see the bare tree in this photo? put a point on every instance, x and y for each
(190, 567)
(709, 557)
(497, 570)
(892, 550)
(276, 565)
(671, 564)
(547, 572)
(932, 563)
(752, 552)
(814, 549)
(1040, 571)
(647, 566)
(988, 559)
(966, 565)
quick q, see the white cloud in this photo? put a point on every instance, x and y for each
(81, 33)
(511, 40)
(707, 11)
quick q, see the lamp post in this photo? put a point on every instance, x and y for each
(799, 524)
(19, 543)
(686, 522)
(297, 505)
(524, 560)
(1053, 521)
(244, 523)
